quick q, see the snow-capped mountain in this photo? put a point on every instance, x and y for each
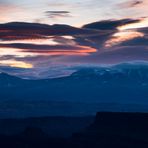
(119, 83)
(128, 72)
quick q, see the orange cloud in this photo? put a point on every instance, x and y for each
(141, 24)
(80, 50)
(127, 32)
(24, 53)
(120, 37)
(14, 63)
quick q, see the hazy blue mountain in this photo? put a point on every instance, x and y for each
(124, 83)
(122, 87)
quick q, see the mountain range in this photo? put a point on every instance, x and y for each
(122, 87)
(121, 83)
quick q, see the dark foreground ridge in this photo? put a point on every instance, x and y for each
(115, 130)
(109, 130)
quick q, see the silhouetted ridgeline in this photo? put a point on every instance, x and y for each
(53, 126)
(115, 130)
(109, 130)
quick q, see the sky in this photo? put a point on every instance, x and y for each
(45, 38)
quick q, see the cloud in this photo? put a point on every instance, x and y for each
(114, 56)
(50, 49)
(138, 41)
(42, 46)
(121, 37)
(17, 64)
(110, 28)
(57, 14)
(135, 3)
(124, 54)
(113, 35)
(110, 24)
(94, 35)
(18, 40)
(135, 8)
(22, 30)
(35, 73)
(131, 3)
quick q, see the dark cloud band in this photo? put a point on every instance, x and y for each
(58, 14)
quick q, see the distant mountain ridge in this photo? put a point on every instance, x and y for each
(128, 69)
(124, 83)
(139, 70)
(121, 87)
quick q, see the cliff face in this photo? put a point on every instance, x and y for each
(121, 121)
(109, 130)
(112, 129)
